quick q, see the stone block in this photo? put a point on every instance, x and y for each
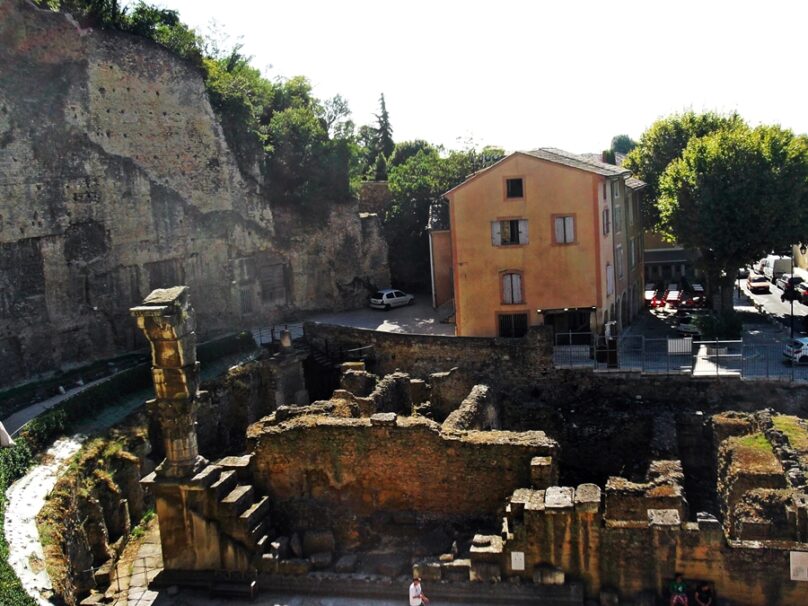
(558, 497)
(486, 548)
(587, 498)
(485, 572)
(457, 570)
(346, 563)
(294, 567)
(383, 419)
(318, 541)
(346, 366)
(175, 353)
(552, 576)
(543, 472)
(428, 570)
(280, 547)
(663, 518)
(321, 560)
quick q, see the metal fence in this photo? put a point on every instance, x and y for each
(676, 356)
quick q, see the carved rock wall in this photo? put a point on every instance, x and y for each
(116, 179)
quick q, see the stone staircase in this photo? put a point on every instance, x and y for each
(227, 499)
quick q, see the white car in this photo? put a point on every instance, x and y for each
(388, 298)
(797, 350)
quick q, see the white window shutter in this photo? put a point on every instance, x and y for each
(523, 231)
(496, 233)
(507, 296)
(609, 279)
(559, 230)
(516, 280)
(570, 228)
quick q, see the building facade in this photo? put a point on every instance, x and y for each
(541, 237)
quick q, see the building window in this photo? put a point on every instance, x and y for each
(609, 279)
(605, 221)
(512, 325)
(604, 191)
(246, 301)
(509, 232)
(632, 252)
(616, 189)
(618, 260)
(514, 188)
(630, 208)
(512, 288)
(564, 229)
(618, 218)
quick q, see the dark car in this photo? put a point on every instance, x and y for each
(758, 283)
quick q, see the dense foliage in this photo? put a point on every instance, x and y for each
(415, 183)
(734, 195)
(622, 144)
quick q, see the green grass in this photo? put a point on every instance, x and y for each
(797, 434)
(756, 441)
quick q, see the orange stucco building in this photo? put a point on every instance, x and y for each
(541, 237)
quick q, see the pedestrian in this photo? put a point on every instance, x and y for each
(417, 597)
(678, 591)
(704, 595)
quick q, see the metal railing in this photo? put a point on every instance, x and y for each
(676, 356)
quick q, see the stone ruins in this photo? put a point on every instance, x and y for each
(456, 481)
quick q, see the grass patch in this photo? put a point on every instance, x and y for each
(797, 434)
(755, 441)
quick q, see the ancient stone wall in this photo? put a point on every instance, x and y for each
(325, 472)
(421, 355)
(116, 178)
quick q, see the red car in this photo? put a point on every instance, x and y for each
(693, 300)
(658, 300)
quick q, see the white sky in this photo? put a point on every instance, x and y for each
(523, 74)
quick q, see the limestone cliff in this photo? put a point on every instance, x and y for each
(116, 178)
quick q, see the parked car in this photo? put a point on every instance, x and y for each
(693, 300)
(776, 268)
(796, 351)
(388, 298)
(686, 326)
(743, 272)
(650, 291)
(802, 291)
(786, 280)
(673, 297)
(758, 283)
(658, 300)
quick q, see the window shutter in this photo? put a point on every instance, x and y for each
(570, 228)
(559, 230)
(507, 293)
(522, 231)
(496, 233)
(516, 281)
(609, 279)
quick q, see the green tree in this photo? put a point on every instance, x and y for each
(663, 143)
(734, 195)
(622, 144)
(384, 130)
(415, 184)
(407, 149)
(380, 171)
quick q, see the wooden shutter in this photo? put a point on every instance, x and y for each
(569, 228)
(496, 233)
(559, 230)
(523, 231)
(516, 285)
(507, 292)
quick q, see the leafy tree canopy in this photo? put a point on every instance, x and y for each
(622, 144)
(734, 195)
(664, 142)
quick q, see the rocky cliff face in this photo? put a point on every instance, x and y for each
(116, 178)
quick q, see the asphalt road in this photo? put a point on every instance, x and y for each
(779, 310)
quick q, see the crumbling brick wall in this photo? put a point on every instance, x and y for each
(344, 468)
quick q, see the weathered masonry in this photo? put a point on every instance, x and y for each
(541, 490)
(116, 178)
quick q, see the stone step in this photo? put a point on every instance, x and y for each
(207, 476)
(239, 464)
(249, 535)
(224, 484)
(237, 500)
(262, 544)
(256, 512)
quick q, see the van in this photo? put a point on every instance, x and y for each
(776, 268)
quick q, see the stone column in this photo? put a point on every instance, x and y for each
(167, 319)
